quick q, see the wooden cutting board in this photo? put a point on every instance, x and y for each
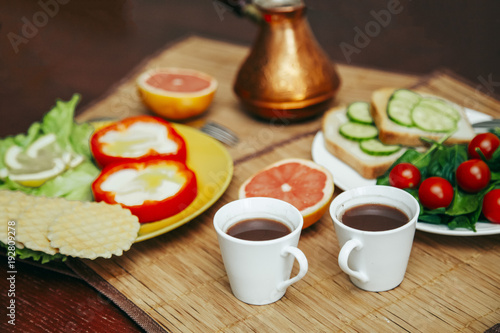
(177, 281)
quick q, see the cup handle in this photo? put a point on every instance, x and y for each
(346, 250)
(301, 259)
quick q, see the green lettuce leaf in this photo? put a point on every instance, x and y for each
(39, 256)
(79, 139)
(73, 184)
(60, 120)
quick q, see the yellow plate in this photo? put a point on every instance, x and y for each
(213, 167)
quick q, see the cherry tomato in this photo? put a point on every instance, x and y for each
(491, 206)
(473, 175)
(404, 175)
(435, 192)
(486, 142)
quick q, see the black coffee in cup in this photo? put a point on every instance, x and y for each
(258, 229)
(374, 217)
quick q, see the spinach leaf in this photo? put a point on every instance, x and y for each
(494, 162)
(464, 203)
(463, 221)
(419, 159)
(446, 160)
(433, 218)
(495, 131)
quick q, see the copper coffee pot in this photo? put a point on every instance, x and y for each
(287, 76)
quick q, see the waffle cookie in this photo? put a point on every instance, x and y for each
(56, 225)
(92, 230)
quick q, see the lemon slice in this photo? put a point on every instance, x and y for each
(40, 162)
(11, 157)
(39, 178)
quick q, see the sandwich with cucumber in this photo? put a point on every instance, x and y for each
(404, 116)
(351, 136)
(370, 137)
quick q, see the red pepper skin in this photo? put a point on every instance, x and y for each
(150, 210)
(104, 159)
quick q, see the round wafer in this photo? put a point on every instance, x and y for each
(12, 205)
(92, 230)
(33, 223)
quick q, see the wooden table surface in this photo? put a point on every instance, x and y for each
(59, 301)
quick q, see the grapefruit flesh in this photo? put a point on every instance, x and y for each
(178, 82)
(176, 93)
(302, 183)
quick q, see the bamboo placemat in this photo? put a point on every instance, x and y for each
(178, 279)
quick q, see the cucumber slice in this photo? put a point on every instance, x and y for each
(399, 111)
(357, 132)
(409, 96)
(430, 120)
(360, 112)
(377, 148)
(441, 106)
(409, 109)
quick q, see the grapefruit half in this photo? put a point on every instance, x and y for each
(300, 182)
(176, 93)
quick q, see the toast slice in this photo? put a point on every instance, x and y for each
(393, 133)
(348, 151)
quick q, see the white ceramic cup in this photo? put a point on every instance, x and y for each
(259, 271)
(375, 260)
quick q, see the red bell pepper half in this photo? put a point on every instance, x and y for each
(152, 189)
(136, 138)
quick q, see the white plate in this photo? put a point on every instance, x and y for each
(346, 178)
(482, 229)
